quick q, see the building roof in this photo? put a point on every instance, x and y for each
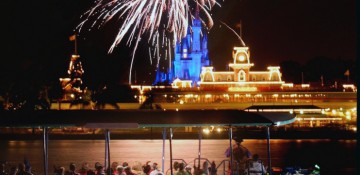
(134, 118)
(283, 107)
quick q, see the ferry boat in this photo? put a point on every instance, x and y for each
(166, 119)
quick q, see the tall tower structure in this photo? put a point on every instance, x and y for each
(196, 32)
(241, 63)
(191, 53)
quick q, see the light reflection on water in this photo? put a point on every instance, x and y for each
(284, 152)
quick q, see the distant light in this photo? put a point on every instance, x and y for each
(341, 109)
(242, 89)
(206, 130)
(305, 85)
(333, 111)
(301, 112)
(177, 109)
(72, 95)
(354, 129)
(181, 102)
(291, 111)
(218, 129)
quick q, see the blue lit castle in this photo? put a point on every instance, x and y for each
(191, 67)
(191, 54)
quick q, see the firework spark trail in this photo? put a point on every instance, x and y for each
(241, 41)
(145, 16)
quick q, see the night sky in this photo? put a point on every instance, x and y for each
(35, 35)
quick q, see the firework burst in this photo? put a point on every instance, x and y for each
(167, 19)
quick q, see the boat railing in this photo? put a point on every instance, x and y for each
(221, 165)
(131, 119)
(199, 159)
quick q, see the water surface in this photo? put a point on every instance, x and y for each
(333, 156)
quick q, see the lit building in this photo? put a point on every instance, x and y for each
(73, 86)
(191, 54)
(241, 78)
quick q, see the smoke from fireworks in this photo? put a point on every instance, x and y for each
(167, 19)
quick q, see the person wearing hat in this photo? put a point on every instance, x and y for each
(240, 154)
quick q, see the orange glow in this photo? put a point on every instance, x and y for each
(305, 85)
(242, 89)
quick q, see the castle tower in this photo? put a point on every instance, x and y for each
(191, 53)
(196, 35)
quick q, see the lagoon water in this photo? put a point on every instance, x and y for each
(333, 156)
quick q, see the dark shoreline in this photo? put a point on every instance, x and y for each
(334, 134)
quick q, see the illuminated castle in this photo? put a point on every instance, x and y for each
(191, 67)
(241, 78)
(191, 54)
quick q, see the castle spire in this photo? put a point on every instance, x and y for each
(197, 11)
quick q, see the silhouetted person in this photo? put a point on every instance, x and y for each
(256, 167)
(212, 169)
(128, 171)
(27, 165)
(240, 154)
(59, 170)
(155, 170)
(22, 170)
(182, 170)
(72, 170)
(146, 168)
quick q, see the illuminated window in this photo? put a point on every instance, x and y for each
(208, 77)
(241, 58)
(229, 78)
(242, 75)
(184, 53)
